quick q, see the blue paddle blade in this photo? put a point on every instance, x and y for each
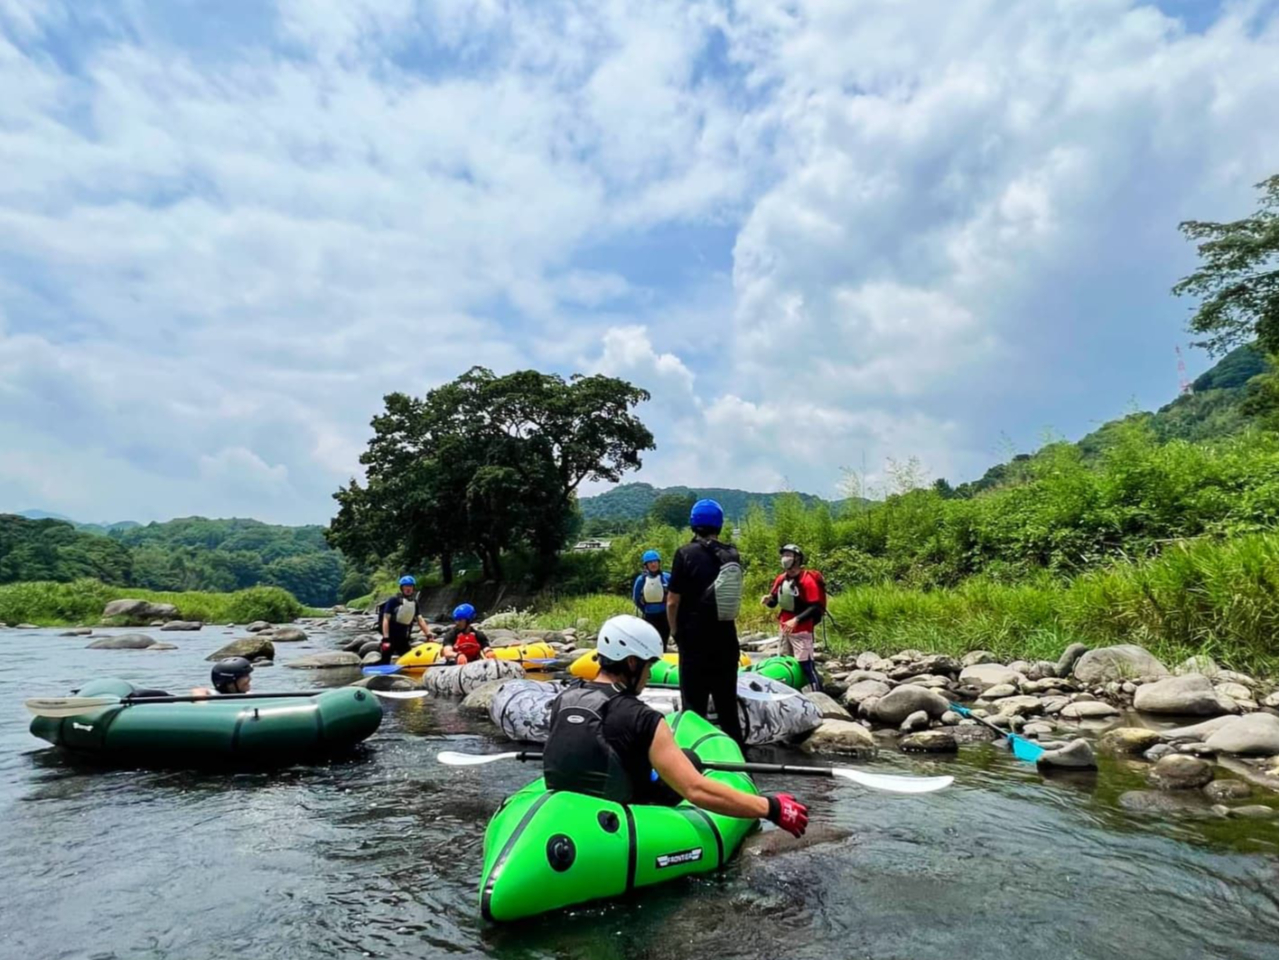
(1024, 749)
(380, 669)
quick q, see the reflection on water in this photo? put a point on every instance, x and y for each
(378, 855)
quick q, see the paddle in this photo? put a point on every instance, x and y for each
(876, 781)
(58, 707)
(383, 669)
(1023, 748)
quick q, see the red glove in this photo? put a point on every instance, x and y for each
(788, 813)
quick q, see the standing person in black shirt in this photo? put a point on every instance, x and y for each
(702, 600)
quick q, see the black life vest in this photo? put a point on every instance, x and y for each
(577, 756)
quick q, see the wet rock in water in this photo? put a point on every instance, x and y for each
(329, 659)
(1220, 790)
(157, 647)
(950, 718)
(974, 657)
(999, 691)
(367, 647)
(139, 611)
(1054, 705)
(370, 658)
(288, 634)
(1067, 661)
(1192, 695)
(768, 843)
(1088, 710)
(1158, 751)
(77, 632)
(1180, 772)
(1019, 706)
(987, 675)
(1153, 801)
(258, 626)
(1037, 730)
(1201, 664)
(182, 625)
(1254, 734)
(25, 626)
(1076, 755)
(248, 647)
(915, 721)
(1121, 662)
(1195, 749)
(1196, 731)
(863, 690)
(128, 641)
(262, 664)
(929, 741)
(828, 707)
(967, 731)
(1254, 811)
(901, 702)
(389, 681)
(840, 736)
(480, 699)
(1128, 741)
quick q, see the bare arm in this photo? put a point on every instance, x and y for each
(681, 775)
(386, 626)
(673, 607)
(426, 631)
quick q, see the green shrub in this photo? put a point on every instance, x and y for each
(82, 602)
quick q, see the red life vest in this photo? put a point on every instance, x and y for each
(466, 645)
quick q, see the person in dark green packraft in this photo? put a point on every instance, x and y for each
(649, 594)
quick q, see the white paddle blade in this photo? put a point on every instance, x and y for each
(451, 759)
(56, 708)
(400, 694)
(892, 784)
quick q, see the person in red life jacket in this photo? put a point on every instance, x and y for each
(462, 643)
(801, 596)
(397, 617)
(607, 742)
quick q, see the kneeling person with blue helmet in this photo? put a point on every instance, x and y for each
(463, 643)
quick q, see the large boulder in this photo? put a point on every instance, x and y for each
(1124, 741)
(1076, 755)
(182, 625)
(128, 641)
(1122, 662)
(863, 689)
(329, 659)
(1254, 734)
(840, 736)
(288, 634)
(139, 611)
(1180, 772)
(251, 648)
(901, 702)
(1192, 694)
(929, 741)
(258, 626)
(989, 675)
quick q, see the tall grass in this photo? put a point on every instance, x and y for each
(81, 603)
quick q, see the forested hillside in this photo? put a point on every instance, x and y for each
(634, 501)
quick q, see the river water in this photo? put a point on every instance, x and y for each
(379, 855)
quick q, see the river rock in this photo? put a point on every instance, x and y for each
(901, 702)
(1227, 789)
(182, 625)
(1038, 730)
(1192, 694)
(1088, 710)
(1042, 669)
(1067, 661)
(1254, 811)
(828, 707)
(370, 658)
(77, 632)
(1152, 801)
(974, 657)
(1272, 700)
(840, 736)
(288, 634)
(929, 741)
(251, 648)
(999, 691)
(1201, 664)
(1254, 734)
(139, 611)
(1121, 662)
(128, 641)
(857, 676)
(857, 692)
(479, 700)
(1054, 705)
(1128, 741)
(325, 660)
(157, 647)
(930, 681)
(1076, 755)
(970, 731)
(384, 681)
(987, 675)
(1180, 772)
(258, 626)
(1019, 706)
(915, 721)
(1236, 691)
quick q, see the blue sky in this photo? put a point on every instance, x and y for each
(823, 234)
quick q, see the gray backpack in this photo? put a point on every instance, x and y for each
(724, 596)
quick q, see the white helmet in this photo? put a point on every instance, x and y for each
(627, 636)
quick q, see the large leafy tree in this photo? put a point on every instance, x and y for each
(485, 462)
(1237, 278)
(672, 509)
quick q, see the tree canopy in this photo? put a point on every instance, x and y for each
(485, 463)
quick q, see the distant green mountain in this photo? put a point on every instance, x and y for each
(631, 501)
(101, 528)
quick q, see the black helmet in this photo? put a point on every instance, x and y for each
(792, 548)
(227, 672)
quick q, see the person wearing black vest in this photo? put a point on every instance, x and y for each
(606, 742)
(700, 611)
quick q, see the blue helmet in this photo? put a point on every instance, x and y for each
(464, 611)
(651, 556)
(408, 581)
(706, 513)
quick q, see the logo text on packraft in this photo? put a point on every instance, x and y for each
(675, 859)
(81, 726)
(574, 718)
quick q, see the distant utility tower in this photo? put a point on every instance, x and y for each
(1184, 385)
